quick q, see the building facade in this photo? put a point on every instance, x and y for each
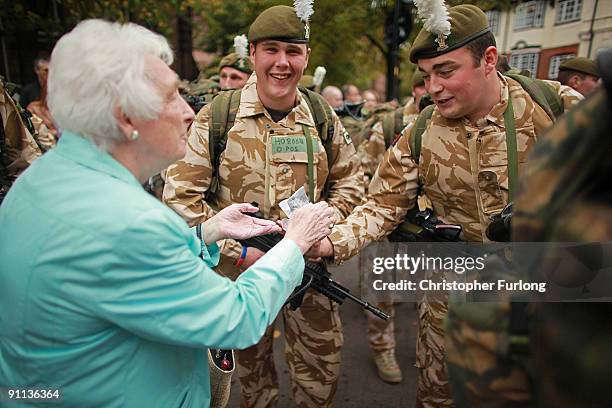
(537, 35)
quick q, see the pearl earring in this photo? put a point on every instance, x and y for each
(134, 135)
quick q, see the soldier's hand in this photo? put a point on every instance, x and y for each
(321, 249)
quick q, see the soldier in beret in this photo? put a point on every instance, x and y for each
(255, 167)
(233, 75)
(235, 68)
(580, 73)
(462, 168)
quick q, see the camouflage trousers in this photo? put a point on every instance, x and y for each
(433, 388)
(313, 338)
(482, 372)
(381, 333)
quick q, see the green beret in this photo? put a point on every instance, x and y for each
(278, 23)
(580, 64)
(232, 60)
(417, 79)
(468, 22)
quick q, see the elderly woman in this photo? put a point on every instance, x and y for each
(103, 294)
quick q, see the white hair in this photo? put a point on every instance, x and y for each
(101, 65)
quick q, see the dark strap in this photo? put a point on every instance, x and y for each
(309, 153)
(542, 93)
(323, 117)
(518, 329)
(224, 108)
(416, 135)
(511, 149)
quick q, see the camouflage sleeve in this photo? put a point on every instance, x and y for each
(44, 137)
(345, 180)
(188, 180)
(391, 193)
(371, 150)
(21, 148)
(569, 96)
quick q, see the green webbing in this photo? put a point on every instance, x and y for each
(311, 186)
(511, 149)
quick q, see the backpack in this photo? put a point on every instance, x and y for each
(224, 108)
(540, 92)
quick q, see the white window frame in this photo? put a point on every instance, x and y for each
(568, 11)
(555, 62)
(526, 60)
(494, 18)
(530, 15)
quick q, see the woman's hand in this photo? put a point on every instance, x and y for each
(310, 224)
(231, 222)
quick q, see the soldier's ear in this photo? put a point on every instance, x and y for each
(252, 52)
(307, 56)
(490, 60)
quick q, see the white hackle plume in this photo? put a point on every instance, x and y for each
(434, 15)
(241, 45)
(319, 76)
(303, 9)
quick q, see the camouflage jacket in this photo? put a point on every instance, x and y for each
(19, 149)
(372, 149)
(255, 167)
(463, 169)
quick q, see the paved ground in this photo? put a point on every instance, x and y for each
(359, 384)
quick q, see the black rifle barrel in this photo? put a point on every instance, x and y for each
(321, 282)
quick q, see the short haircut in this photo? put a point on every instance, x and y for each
(99, 66)
(567, 74)
(478, 46)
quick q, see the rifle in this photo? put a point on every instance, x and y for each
(424, 226)
(316, 276)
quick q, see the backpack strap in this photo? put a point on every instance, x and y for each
(323, 117)
(223, 110)
(511, 149)
(392, 124)
(542, 93)
(416, 134)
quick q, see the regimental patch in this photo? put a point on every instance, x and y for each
(347, 137)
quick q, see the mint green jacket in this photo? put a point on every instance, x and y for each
(103, 294)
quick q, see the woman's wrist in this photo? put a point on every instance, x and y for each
(211, 232)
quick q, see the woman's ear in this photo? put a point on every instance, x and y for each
(123, 122)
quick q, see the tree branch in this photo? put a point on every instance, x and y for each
(376, 43)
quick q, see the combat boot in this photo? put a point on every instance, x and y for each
(388, 369)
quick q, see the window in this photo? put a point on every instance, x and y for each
(493, 16)
(568, 10)
(526, 60)
(555, 62)
(530, 15)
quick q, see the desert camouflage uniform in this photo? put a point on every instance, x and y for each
(250, 171)
(381, 333)
(45, 137)
(372, 149)
(463, 170)
(570, 335)
(19, 149)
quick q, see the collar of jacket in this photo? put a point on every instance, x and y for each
(251, 105)
(78, 149)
